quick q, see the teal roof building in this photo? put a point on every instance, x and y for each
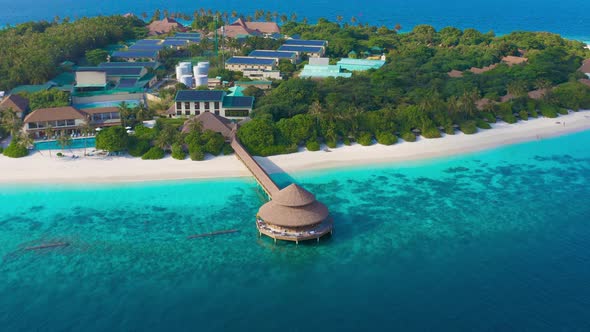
(360, 64)
(323, 71)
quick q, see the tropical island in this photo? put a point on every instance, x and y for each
(120, 87)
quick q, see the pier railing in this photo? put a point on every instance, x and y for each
(257, 171)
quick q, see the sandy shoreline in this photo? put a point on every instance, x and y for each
(40, 168)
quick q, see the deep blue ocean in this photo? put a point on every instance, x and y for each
(569, 18)
(492, 241)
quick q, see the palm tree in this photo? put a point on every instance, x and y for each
(125, 112)
(25, 140)
(353, 20)
(87, 129)
(276, 16)
(234, 14)
(294, 17)
(397, 27)
(339, 18)
(49, 133)
(517, 89)
(11, 122)
(64, 141)
(284, 19)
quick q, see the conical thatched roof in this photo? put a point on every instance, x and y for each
(293, 196)
(286, 216)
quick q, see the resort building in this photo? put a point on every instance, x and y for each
(68, 120)
(294, 214)
(16, 103)
(312, 51)
(256, 74)
(240, 28)
(291, 56)
(136, 55)
(120, 75)
(241, 63)
(360, 64)
(194, 102)
(62, 121)
(164, 26)
(320, 68)
(213, 122)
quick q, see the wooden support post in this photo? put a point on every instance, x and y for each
(318, 239)
(275, 240)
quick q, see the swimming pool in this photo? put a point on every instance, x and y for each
(130, 103)
(77, 143)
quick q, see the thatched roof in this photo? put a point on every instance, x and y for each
(16, 103)
(455, 73)
(482, 103)
(476, 70)
(585, 68)
(279, 215)
(164, 26)
(537, 94)
(55, 114)
(211, 121)
(514, 60)
(293, 196)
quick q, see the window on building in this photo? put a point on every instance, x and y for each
(33, 125)
(216, 105)
(178, 105)
(187, 112)
(216, 112)
(115, 115)
(61, 123)
(236, 113)
(71, 122)
(206, 105)
(197, 105)
(187, 105)
(179, 113)
(197, 112)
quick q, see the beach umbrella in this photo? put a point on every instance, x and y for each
(98, 129)
(128, 128)
(129, 131)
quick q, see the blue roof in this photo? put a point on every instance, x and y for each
(305, 42)
(250, 61)
(300, 48)
(150, 64)
(175, 42)
(137, 47)
(199, 95)
(136, 54)
(148, 42)
(188, 34)
(115, 71)
(127, 83)
(273, 54)
(235, 101)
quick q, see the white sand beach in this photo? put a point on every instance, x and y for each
(40, 168)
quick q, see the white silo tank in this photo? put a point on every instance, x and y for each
(187, 80)
(201, 80)
(203, 68)
(179, 73)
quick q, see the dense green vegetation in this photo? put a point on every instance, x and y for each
(413, 92)
(31, 52)
(15, 150)
(47, 98)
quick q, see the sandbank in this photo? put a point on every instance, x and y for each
(41, 168)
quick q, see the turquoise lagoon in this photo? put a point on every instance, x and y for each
(493, 241)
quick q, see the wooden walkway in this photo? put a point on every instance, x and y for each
(257, 171)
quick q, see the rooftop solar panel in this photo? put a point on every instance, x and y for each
(136, 54)
(305, 42)
(250, 61)
(127, 83)
(301, 48)
(203, 95)
(273, 54)
(150, 64)
(148, 41)
(145, 47)
(178, 42)
(232, 101)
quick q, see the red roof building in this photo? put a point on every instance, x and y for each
(243, 28)
(164, 26)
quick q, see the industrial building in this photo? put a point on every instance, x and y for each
(360, 64)
(239, 63)
(270, 54)
(312, 51)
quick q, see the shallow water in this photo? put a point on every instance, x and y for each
(493, 241)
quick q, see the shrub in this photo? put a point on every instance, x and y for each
(431, 132)
(409, 136)
(549, 111)
(197, 154)
(489, 117)
(450, 129)
(365, 139)
(153, 154)
(313, 145)
(562, 111)
(112, 139)
(524, 115)
(227, 150)
(59, 154)
(331, 143)
(138, 147)
(346, 141)
(509, 118)
(386, 138)
(482, 124)
(146, 133)
(178, 152)
(468, 127)
(15, 150)
(534, 113)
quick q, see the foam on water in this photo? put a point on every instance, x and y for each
(490, 241)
